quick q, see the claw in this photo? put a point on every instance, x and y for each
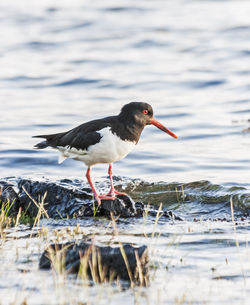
(99, 198)
(114, 192)
(107, 197)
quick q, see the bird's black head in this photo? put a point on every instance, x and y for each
(138, 113)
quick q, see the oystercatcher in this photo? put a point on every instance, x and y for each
(104, 141)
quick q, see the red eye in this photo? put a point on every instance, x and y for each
(145, 111)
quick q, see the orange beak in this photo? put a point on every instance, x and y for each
(163, 128)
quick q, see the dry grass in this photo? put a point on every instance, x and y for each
(5, 220)
(91, 261)
(236, 239)
(40, 206)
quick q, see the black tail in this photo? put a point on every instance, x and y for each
(50, 140)
(41, 145)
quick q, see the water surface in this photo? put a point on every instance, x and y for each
(64, 63)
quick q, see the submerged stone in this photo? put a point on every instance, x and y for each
(98, 263)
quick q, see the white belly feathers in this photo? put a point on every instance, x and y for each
(110, 149)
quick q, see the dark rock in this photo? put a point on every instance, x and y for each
(123, 206)
(9, 196)
(164, 213)
(60, 200)
(93, 259)
(171, 215)
(67, 199)
(63, 200)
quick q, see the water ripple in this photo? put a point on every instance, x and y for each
(76, 81)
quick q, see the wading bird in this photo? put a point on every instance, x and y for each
(105, 140)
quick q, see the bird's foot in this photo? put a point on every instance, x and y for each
(110, 196)
(99, 198)
(114, 192)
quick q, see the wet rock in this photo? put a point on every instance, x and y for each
(9, 196)
(68, 199)
(63, 200)
(123, 206)
(60, 200)
(98, 263)
(164, 213)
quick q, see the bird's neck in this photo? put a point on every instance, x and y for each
(128, 130)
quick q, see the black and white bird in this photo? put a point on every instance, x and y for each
(104, 140)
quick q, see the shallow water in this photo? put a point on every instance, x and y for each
(191, 263)
(63, 63)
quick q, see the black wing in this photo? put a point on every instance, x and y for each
(80, 137)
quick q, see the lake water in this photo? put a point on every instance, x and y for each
(67, 62)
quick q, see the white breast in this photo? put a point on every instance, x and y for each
(110, 149)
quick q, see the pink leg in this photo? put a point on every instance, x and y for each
(97, 197)
(112, 191)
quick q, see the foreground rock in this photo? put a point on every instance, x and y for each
(98, 263)
(66, 199)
